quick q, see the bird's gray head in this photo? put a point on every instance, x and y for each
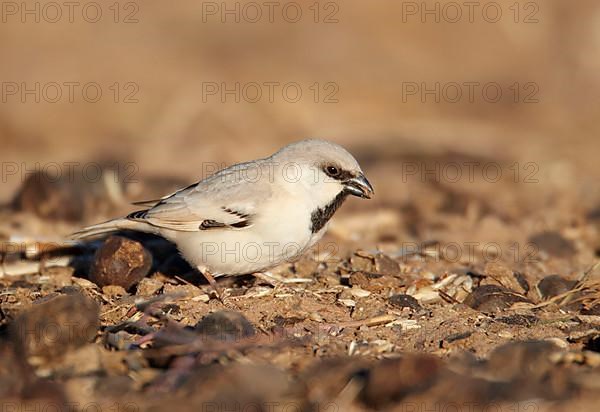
(325, 168)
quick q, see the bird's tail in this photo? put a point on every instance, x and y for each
(108, 227)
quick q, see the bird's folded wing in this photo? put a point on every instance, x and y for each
(225, 200)
(154, 202)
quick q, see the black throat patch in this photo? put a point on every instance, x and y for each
(321, 216)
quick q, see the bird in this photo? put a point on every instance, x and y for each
(251, 216)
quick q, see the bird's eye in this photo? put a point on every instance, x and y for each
(332, 171)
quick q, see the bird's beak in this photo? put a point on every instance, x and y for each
(359, 186)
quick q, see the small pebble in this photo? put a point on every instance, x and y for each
(504, 276)
(492, 298)
(315, 317)
(359, 293)
(386, 265)
(362, 263)
(347, 302)
(405, 301)
(114, 291)
(554, 285)
(505, 334)
(553, 243)
(225, 325)
(561, 343)
(426, 294)
(204, 298)
(149, 287)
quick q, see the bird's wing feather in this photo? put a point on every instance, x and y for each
(147, 203)
(154, 202)
(228, 199)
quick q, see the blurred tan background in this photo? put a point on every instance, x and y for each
(168, 53)
(387, 279)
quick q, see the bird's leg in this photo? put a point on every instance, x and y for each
(213, 283)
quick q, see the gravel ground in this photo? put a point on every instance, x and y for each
(453, 299)
(468, 283)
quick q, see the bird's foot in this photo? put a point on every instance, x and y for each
(214, 285)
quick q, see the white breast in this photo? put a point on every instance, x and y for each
(279, 234)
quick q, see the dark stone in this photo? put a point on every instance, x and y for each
(14, 371)
(457, 336)
(520, 320)
(391, 380)
(50, 198)
(522, 280)
(405, 301)
(553, 243)
(593, 311)
(70, 196)
(120, 262)
(225, 325)
(527, 359)
(554, 285)
(492, 298)
(50, 329)
(529, 370)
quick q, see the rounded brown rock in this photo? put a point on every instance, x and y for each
(405, 301)
(50, 329)
(554, 285)
(120, 262)
(225, 325)
(493, 298)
